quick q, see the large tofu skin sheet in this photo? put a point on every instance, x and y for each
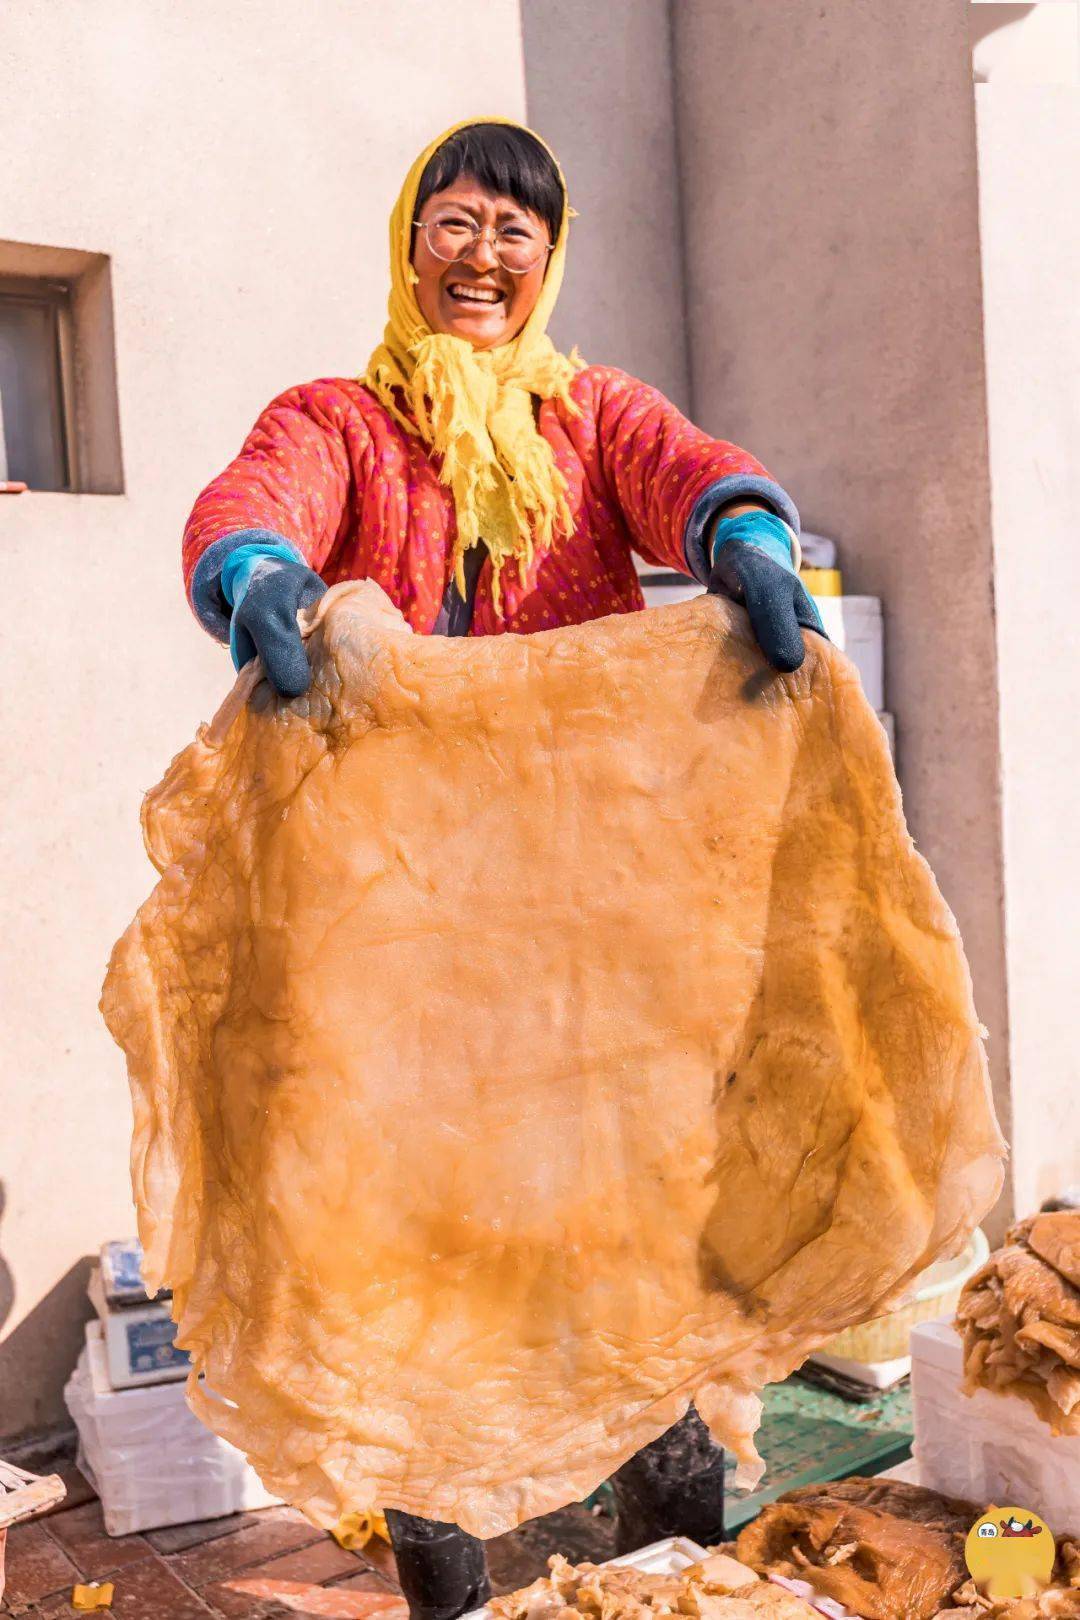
(531, 1034)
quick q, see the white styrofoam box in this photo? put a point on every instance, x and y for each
(877, 1374)
(855, 625)
(665, 1557)
(147, 1455)
(992, 1449)
(907, 1472)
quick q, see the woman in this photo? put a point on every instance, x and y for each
(490, 484)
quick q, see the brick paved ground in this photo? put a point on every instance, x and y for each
(267, 1565)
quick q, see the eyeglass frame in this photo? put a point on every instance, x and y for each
(425, 225)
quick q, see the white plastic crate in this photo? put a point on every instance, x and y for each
(989, 1448)
(147, 1455)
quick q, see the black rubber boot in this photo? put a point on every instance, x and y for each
(442, 1569)
(673, 1487)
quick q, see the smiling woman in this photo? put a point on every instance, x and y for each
(488, 210)
(486, 481)
(490, 484)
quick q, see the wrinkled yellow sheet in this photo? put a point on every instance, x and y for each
(527, 1035)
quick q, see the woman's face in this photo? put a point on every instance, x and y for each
(474, 297)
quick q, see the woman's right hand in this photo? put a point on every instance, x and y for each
(267, 592)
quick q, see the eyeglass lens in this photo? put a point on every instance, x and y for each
(517, 248)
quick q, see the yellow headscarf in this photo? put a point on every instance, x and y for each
(474, 406)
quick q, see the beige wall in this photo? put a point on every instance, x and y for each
(830, 197)
(238, 163)
(822, 172)
(1029, 174)
(602, 96)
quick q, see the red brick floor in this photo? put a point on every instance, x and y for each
(267, 1565)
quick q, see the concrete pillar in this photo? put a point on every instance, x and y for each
(601, 95)
(830, 199)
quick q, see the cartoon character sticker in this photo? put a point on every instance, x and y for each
(1010, 1553)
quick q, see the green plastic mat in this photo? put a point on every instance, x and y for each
(808, 1435)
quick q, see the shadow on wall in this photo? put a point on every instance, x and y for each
(985, 20)
(49, 1335)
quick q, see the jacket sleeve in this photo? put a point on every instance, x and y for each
(291, 481)
(668, 477)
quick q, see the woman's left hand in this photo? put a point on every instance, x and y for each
(773, 595)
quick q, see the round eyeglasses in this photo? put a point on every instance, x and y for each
(453, 236)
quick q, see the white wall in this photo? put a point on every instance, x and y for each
(820, 165)
(1029, 182)
(238, 163)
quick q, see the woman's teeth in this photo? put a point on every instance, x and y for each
(475, 295)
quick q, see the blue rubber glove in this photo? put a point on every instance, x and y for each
(266, 586)
(752, 564)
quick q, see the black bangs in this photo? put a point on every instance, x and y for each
(502, 159)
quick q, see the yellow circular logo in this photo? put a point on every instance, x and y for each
(1010, 1553)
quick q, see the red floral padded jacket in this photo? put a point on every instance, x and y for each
(328, 469)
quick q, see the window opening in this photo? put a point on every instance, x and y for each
(36, 441)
